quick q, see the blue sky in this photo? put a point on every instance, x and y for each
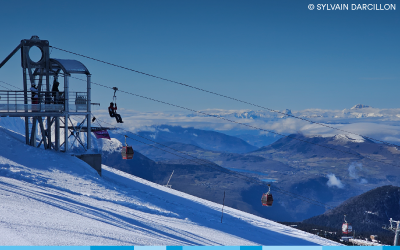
(278, 54)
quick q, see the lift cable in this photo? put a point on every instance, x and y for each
(243, 124)
(247, 125)
(254, 181)
(228, 97)
(216, 167)
(9, 85)
(5, 87)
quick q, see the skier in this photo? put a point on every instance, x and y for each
(113, 112)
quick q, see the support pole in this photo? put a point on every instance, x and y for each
(10, 55)
(89, 110)
(396, 236)
(396, 230)
(33, 132)
(26, 105)
(223, 204)
(169, 177)
(57, 133)
(48, 94)
(44, 137)
(66, 110)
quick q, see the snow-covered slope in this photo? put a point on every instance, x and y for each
(50, 198)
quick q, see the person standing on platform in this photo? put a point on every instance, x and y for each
(35, 97)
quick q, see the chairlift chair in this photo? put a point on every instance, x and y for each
(267, 199)
(127, 151)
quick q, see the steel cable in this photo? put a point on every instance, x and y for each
(228, 97)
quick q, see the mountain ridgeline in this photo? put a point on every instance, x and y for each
(206, 139)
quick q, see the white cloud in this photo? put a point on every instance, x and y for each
(378, 126)
(354, 169)
(334, 181)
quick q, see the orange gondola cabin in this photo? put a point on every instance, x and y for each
(267, 199)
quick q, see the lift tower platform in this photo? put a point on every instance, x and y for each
(46, 107)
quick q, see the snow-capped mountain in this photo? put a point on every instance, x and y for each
(357, 111)
(51, 198)
(360, 106)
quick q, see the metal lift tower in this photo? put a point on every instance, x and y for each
(44, 106)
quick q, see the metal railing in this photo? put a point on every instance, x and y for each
(45, 101)
(78, 101)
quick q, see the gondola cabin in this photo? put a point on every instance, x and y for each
(347, 228)
(127, 153)
(267, 200)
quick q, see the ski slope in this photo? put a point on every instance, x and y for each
(51, 198)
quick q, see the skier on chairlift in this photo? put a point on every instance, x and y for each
(113, 110)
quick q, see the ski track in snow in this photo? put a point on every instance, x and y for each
(52, 198)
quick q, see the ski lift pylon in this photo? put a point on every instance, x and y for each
(267, 199)
(127, 151)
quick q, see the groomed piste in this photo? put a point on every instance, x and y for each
(52, 198)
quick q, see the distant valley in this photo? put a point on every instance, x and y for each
(300, 168)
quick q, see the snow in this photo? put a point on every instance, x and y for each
(349, 138)
(109, 145)
(15, 124)
(52, 198)
(364, 242)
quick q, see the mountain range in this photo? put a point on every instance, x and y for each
(327, 169)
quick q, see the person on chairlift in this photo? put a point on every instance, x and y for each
(113, 112)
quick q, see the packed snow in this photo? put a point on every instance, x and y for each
(52, 198)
